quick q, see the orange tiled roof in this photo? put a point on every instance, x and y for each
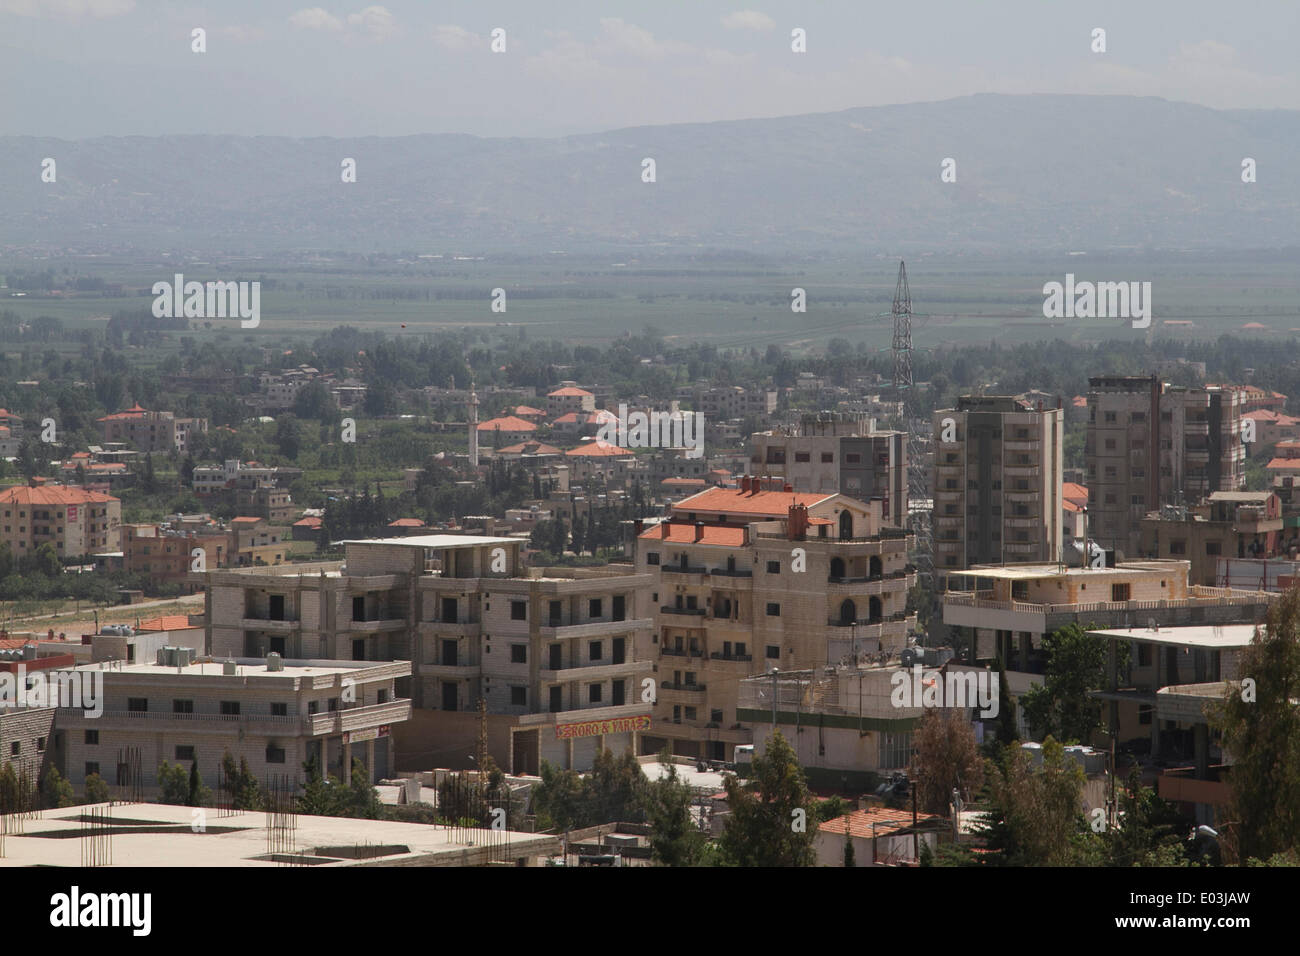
(874, 820)
(135, 411)
(530, 448)
(741, 502)
(685, 482)
(598, 449)
(1283, 463)
(168, 622)
(406, 523)
(311, 522)
(528, 410)
(246, 519)
(51, 495)
(568, 392)
(507, 423)
(721, 536)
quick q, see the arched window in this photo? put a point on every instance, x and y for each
(849, 612)
(846, 525)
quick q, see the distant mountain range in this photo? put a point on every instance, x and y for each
(1043, 173)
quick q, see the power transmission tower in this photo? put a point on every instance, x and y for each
(920, 446)
(902, 314)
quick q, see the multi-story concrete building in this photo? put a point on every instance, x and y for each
(997, 489)
(1152, 444)
(150, 431)
(724, 403)
(77, 522)
(837, 453)
(569, 398)
(275, 713)
(1230, 524)
(166, 556)
(1010, 609)
(552, 652)
(748, 578)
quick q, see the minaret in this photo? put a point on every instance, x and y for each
(473, 426)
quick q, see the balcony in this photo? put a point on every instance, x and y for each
(732, 572)
(554, 632)
(378, 625)
(450, 629)
(594, 671)
(162, 721)
(357, 718)
(720, 656)
(678, 569)
(696, 611)
(267, 624)
(669, 685)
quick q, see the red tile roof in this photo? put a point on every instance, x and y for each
(722, 536)
(528, 410)
(51, 495)
(740, 502)
(311, 522)
(168, 622)
(1283, 463)
(406, 523)
(507, 423)
(134, 411)
(876, 821)
(598, 449)
(530, 448)
(246, 520)
(568, 392)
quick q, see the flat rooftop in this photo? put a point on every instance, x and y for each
(245, 667)
(151, 834)
(1206, 636)
(438, 542)
(1021, 572)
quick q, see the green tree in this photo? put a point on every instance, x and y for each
(245, 793)
(55, 790)
(1149, 829)
(1037, 812)
(10, 801)
(1260, 724)
(768, 823)
(946, 758)
(173, 784)
(675, 839)
(1061, 707)
(288, 437)
(1006, 732)
(97, 790)
(558, 801)
(196, 795)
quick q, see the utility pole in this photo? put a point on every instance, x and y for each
(775, 671)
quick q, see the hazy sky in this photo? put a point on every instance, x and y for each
(81, 68)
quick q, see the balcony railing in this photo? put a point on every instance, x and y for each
(680, 685)
(683, 610)
(720, 656)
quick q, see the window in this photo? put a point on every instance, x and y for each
(691, 713)
(774, 610)
(1144, 655)
(1212, 547)
(92, 738)
(853, 459)
(828, 458)
(774, 567)
(274, 754)
(594, 607)
(182, 707)
(773, 652)
(518, 610)
(230, 707)
(279, 710)
(1178, 546)
(1144, 713)
(518, 696)
(332, 704)
(92, 769)
(557, 699)
(715, 716)
(1120, 592)
(313, 707)
(138, 705)
(40, 745)
(652, 558)
(518, 653)
(15, 748)
(594, 650)
(802, 456)
(593, 694)
(895, 750)
(185, 752)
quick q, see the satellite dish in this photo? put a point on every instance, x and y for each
(1153, 624)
